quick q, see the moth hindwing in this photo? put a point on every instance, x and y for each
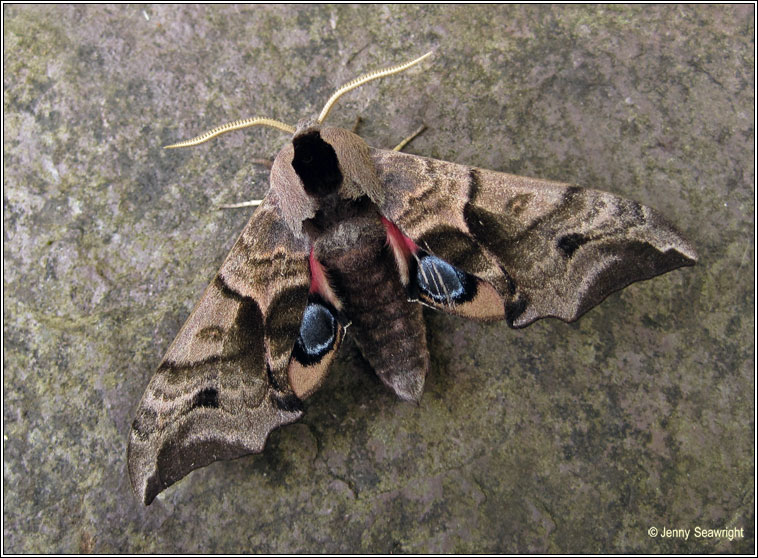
(352, 235)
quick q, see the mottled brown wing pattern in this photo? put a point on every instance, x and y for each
(549, 249)
(222, 386)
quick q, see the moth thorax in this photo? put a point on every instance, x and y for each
(315, 162)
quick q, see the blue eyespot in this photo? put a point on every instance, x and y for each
(318, 333)
(440, 280)
(443, 282)
(318, 328)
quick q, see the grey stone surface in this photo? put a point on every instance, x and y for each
(556, 438)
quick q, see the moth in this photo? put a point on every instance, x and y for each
(349, 235)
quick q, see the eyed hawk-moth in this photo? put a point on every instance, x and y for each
(352, 235)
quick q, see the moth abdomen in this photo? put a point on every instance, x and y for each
(388, 330)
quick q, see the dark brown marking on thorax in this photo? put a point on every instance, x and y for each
(315, 162)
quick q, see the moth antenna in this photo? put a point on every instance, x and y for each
(232, 126)
(357, 82)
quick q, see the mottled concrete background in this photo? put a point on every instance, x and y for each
(556, 438)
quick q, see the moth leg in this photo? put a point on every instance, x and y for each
(410, 138)
(251, 203)
(268, 163)
(357, 123)
(399, 146)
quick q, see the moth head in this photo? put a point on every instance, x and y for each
(321, 161)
